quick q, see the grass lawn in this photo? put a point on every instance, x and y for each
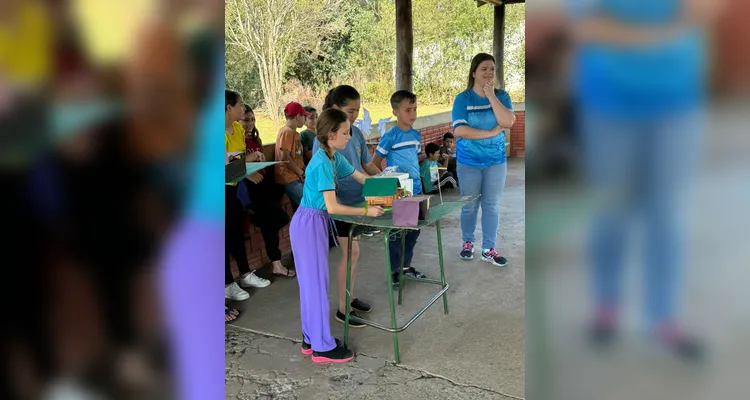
(268, 130)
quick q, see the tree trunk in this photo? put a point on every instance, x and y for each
(404, 45)
(498, 46)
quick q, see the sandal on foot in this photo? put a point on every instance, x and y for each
(231, 314)
(289, 273)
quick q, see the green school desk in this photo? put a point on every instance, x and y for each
(384, 223)
(252, 167)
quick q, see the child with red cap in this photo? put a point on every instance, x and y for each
(291, 173)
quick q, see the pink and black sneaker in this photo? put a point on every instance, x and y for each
(307, 347)
(603, 329)
(677, 342)
(467, 252)
(493, 258)
(338, 354)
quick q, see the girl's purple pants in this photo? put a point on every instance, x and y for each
(308, 233)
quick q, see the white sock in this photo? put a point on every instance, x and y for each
(485, 250)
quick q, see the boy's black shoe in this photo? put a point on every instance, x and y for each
(352, 323)
(413, 273)
(394, 281)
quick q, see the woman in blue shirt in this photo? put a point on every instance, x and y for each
(481, 113)
(310, 230)
(640, 84)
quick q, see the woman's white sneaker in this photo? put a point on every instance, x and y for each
(252, 280)
(235, 292)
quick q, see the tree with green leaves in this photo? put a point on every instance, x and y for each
(317, 45)
(271, 32)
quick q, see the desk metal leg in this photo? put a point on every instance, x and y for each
(442, 269)
(348, 286)
(401, 270)
(386, 240)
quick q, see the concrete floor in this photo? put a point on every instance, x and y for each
(475, 352)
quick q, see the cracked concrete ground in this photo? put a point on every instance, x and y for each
(474, 352)
(262, 367)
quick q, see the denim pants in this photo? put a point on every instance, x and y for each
(395, 249)
(640, 168)
(294, 191)
(489, 182)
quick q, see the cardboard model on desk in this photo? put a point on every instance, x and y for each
(410, 210)
(381, 191)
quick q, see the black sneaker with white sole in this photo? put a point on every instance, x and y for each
(467, 252)
(413, 273)
(352, 323)
(493, 258)
(394, 281)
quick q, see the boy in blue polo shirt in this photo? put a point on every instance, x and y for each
(402, 146)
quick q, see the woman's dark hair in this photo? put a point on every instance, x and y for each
(478, 59)
(254, 134)
(330, 120)
(340, 96)
(231, 98)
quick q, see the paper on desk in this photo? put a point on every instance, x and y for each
(389, 171)
(257, 166)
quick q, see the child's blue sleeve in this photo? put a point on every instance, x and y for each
(316, 146)
(460, 113)
(343, 168)
(322, 175)
(418, 138)
(504, 98)
(385, 145)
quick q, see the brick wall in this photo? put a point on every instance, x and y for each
(518, 136)
(255, 247)
(731, 50)
(434, 134)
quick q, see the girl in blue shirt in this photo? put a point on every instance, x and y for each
(349, 192)
(481, 113)
(310, 230)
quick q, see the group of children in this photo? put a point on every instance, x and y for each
(323, 173)
(438, 169)
(258, 192)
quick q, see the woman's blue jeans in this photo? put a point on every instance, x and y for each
(641, 169)
(489, 182)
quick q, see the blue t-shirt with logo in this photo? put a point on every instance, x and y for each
(471, 109)
(653, 79)
(402, 148)
(321, 175)
(349, 191)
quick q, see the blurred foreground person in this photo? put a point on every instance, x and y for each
(108, 200)
(640, 85)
